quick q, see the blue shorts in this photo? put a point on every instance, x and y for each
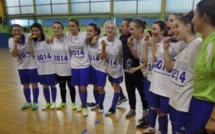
(198, 115)
(179, 119)
(97, 77)
(28, 76)
(48, 79)
(161, 102)
(115, 80)
(146, 86)
(80, 77)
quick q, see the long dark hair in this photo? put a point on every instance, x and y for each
(39, 26)
(96, 28)
(187, 19)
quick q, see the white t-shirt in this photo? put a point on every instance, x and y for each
(95, 61)
(150, 63)
(61, 56)
(78, 49)
(182, 76)
(161, 79)
(24, 58)
(113, 51)
(138, 47)
(43, 57)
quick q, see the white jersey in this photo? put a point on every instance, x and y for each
(182, 76)
(61, 56)
(113, 52)
(95, 61)
(78, 49)
(138, 47)
(24, 58)
(43, 56)
(150, 63)
(161, 79)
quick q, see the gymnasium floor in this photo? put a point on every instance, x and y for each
(13, 120)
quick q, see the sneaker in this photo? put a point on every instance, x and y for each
(53, 105)
(142, 125)
(84, 111)
(74, 106)
(26, 106)
(61, 105)
(110, 111)
(101, 110)
(79, 108)
(34, 106)
(46, 106)
(149, 130)
(130, 113)
(121, 100)
(94, 107)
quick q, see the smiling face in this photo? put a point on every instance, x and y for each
(17, 31)
(134, 30)
(91, 32)
(181, 30)
(73, 28)
(36, 31)
(157, 30)
(110, 29)
(57, 29)
(171, 24)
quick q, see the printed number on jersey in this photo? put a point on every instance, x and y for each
(24, 55)
(94, 58)
(44, 57)
(112, 63)
(78, 53)
(60, 58)
(179, 75)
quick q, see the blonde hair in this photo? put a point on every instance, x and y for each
(115, 27)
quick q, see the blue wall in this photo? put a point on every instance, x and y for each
(4, 40)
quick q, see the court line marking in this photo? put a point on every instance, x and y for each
(9, 89)
(85, 130)
(9, 82)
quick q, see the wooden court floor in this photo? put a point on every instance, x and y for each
(13, 120)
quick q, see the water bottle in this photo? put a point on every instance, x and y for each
(128, 64)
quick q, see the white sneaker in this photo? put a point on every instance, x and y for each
(95, 107)
(79, 108)
(46, 106)
(84, 111)
(101, 111)
(149, 130)
(53, 105)
(110, 111)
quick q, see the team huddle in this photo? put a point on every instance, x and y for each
(172, 69)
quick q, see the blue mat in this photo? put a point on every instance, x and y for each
(4, 37)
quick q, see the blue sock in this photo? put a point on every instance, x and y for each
(163, 124)
(152, 118)
(115, 100)
(96, 95)
(46, 94)
(27, 93)
(121, 92)
(101, 99)
(83, 96)
(35, 94)
(173, 128)
(54, 94)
